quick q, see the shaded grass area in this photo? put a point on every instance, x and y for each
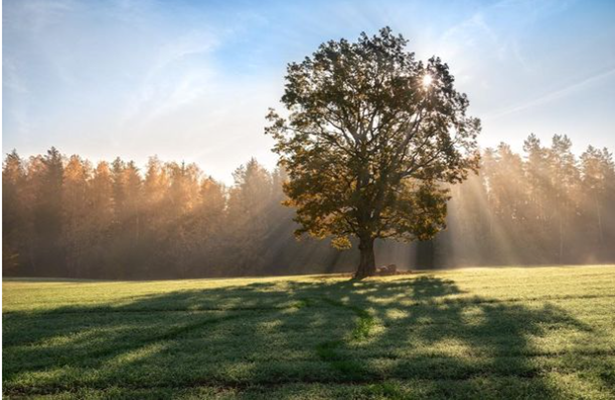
(466, 334)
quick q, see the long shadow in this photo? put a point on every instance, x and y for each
(257, 337)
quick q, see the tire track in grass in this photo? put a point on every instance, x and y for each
(107, 352)
(302, 303)
(374, 381)
(377, 387)
(329, 350)
(169, 334)
(121, 310)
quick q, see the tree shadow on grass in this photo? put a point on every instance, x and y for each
(415, 337)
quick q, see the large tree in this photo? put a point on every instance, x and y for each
(370, 140)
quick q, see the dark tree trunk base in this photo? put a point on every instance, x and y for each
(367, 264)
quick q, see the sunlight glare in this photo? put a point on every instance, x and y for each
(427, 80)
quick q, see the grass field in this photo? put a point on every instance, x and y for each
(533, 333)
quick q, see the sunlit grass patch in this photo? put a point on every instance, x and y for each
(479, 333)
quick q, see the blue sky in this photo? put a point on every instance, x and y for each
(193, 80)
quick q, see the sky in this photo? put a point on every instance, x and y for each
(192, 80)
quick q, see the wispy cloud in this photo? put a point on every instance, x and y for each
(172, 81)
(552, 96)
(494, 31)
(39, 14)
(11, 79)
(16, 89)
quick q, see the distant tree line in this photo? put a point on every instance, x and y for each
(545, 206)
(65, 217)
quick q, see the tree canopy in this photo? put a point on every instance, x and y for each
(369, 138)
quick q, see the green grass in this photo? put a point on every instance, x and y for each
(511, 333)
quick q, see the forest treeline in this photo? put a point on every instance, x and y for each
(66, 217)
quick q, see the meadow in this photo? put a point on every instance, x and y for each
(488, 333)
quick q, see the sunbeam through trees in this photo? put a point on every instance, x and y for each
(65, 217)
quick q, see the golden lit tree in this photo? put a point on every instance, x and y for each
(564, 181)
(100, 197)
(182, 230)
(247, 214)
(597, 174)
(77, 214)
(13, 210)
(369, 137)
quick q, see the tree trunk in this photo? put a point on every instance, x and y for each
(367, 265)
(425, 254)
(561, 240)
(599, 215)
